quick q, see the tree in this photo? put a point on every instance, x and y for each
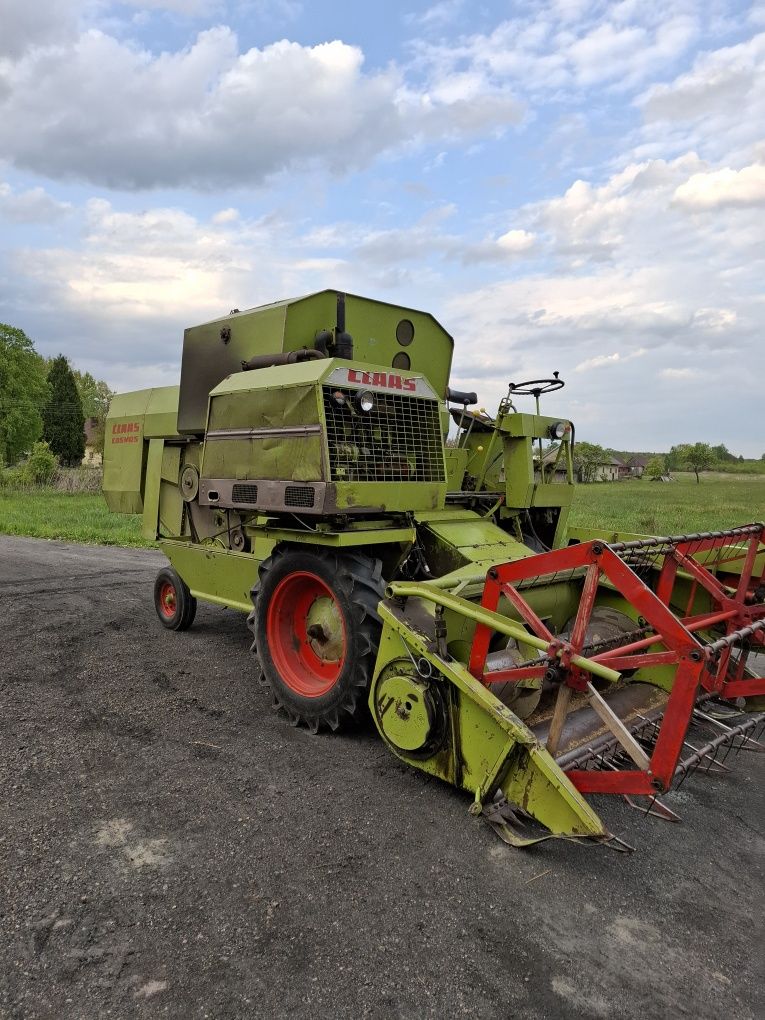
(587, 458)
(23, 393)
(94, 394)
(722, 452)
(63, 420)
(696, 456)
(656, 467)
(674, 459)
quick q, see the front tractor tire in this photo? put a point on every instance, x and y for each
(176, 606)
(316, 632)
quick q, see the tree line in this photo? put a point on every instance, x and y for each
(696, 457)
(45, 399)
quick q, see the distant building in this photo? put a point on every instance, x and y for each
(635, 465)
(607, 471)
(93, 442)
(548, 460)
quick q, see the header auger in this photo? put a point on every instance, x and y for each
(301, 474)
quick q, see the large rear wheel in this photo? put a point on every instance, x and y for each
(316, 632)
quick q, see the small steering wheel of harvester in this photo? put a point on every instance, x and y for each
(536, 387)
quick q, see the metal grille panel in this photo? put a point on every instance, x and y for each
(242, 493)
(299, 495)
(399, 440)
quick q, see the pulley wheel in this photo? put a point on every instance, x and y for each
(409, 710)
(189, 483)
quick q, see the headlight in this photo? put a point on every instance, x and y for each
(339, 398)
(365, 401)
(558, 429)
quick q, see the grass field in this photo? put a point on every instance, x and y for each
(74, 517)
(720, 501)
(670, 508)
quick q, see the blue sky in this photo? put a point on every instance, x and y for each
(567, 185)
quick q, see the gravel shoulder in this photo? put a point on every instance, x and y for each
(171, 847)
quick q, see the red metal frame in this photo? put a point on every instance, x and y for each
(698, 665)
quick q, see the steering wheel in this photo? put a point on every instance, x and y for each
(536, 387)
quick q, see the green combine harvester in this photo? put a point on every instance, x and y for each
(302, 473)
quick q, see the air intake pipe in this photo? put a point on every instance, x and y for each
(336, 343)
(343, 340)
(290, 358)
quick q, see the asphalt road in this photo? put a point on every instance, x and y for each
(171, 847)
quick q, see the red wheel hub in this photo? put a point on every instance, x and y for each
(167, 600)
(306, 634)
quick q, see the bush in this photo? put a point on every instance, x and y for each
(40, 466)
(79, 479)
(13, 478)
(41, 470)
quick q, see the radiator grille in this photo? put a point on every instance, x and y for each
(242, 493)
(399, 440)
(299, 495)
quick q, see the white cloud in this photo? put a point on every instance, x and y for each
(679, 374)
(226, 216)
(516, 240)
(628, 52)
(745, 187)
(208, 116)
(715, 320)
(146, 266)
(550, 46)
(716, 108)
(605, 360)
(639, 288)
(25, 25)
(34, 205)
(438, 14)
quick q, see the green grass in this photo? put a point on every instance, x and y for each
(660, 508)
(720, 501)
(73, 517)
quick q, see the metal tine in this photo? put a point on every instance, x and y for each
(729, 748)
(653, 723)
(705, 754)
(650, 740)
(656, 808)
(690, 765)
(615, 843)
(757, 746)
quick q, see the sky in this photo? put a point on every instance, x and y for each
(567, 185)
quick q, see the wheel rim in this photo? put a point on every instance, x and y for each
(306, 634)
(167, 600)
